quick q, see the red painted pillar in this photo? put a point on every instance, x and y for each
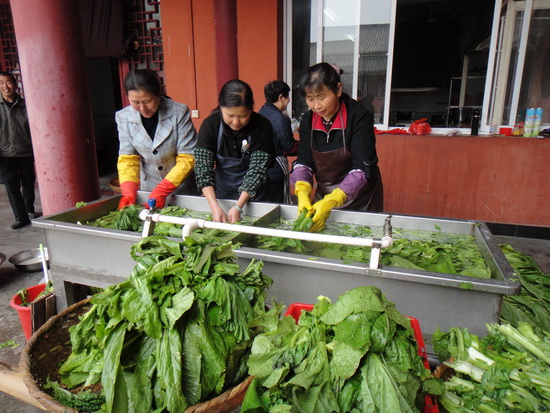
(225, 23)
(50, 47)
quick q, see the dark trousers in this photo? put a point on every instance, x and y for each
(18, 177)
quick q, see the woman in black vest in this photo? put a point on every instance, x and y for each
(337, 147)
(233, 152)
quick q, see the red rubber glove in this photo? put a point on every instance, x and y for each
(129, 193)
(163, 189)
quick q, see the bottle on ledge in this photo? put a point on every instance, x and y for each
(475, 123)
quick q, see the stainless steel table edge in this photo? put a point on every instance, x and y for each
(424, 277)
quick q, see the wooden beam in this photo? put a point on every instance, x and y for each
(12, 384)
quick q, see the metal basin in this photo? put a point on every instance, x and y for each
(29, 260)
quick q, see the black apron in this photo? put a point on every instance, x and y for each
(332, 167)
(230, 173)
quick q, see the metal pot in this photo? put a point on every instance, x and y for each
(29, 260)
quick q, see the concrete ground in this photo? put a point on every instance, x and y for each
(12, 280)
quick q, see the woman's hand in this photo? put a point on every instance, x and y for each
(236, 210)
(218, 214)
(234, 215)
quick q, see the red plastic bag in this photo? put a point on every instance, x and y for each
(396, 131)
(420, 127)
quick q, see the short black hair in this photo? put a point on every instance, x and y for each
(10, 75)
(236, 93)
(144, 79)
(273, 89)
(318, 77)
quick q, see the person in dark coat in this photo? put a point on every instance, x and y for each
(338, 148)
(233, 153)
(16, 154)
(277, 96)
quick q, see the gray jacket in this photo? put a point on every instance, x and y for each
(175, 134)
(15, 134)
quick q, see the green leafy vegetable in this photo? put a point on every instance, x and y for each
(303, 222)
(85, 401)
(127, 219)
(506, 371)
(532, 304)
(356, 355)
(9, 343)
(175, 333)
(412, 249)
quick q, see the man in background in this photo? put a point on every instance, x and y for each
(277, 98)
(16, 155)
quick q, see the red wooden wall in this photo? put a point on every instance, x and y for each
(490, 179)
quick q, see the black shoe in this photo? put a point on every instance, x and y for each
(20, 224)
(33, 215)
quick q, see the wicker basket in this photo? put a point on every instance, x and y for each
(51, 344)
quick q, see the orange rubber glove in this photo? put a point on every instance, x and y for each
(129, 193)
(323, 208)
(302, 189)
(162, 190)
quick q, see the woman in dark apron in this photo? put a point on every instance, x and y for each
(233, 152)
(338, 148)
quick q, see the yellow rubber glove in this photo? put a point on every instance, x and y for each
(302, 189)
(322, 208)
(128, 176)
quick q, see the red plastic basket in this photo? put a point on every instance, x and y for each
(430, 404)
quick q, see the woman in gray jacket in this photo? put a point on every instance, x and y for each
(157, 139)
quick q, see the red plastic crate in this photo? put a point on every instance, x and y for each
(430, 404)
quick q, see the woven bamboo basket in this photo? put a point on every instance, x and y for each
(51, 344)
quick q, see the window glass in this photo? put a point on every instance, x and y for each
(535, 89)
(374, 37)
(339, 33)
(431, 58)
(354, 36)
(439, 61)
(304, 49)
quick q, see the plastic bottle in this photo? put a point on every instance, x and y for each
(537, 121)
(475, 123)
(529, 122)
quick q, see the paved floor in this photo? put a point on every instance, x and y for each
(11, 281)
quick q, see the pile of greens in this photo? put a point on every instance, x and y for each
(302, 223)
(412, 249)
(506, 371)
(128, 219)
(532, 304)
(175, 333)
(356, 355)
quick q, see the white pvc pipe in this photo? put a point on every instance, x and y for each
(192, 223)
